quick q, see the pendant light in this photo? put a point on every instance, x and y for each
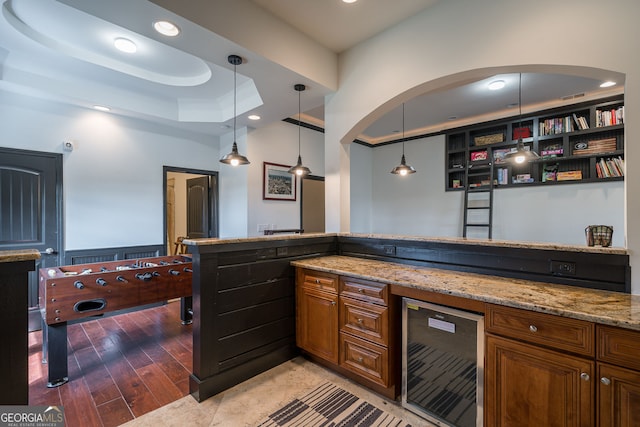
(299, 169)
(520, 155)
(403, 169)
(234, 158)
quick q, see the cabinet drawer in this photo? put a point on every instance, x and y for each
(557, 332)
(619, 346)
(364, 358)
(365, 320)
(320, 280)
(365, 290)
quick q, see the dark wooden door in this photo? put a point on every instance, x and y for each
(30, 211)
(527, 386)
(198, 207)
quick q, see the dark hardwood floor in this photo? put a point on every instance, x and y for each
(120, 367)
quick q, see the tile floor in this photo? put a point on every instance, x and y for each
(250, 402)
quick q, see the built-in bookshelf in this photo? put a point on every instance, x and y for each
(576, 144)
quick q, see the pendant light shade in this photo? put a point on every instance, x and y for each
(234, 158)
(403, 168)
(299, 169)
(521, 155)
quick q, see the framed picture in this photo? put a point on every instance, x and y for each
(277, 183)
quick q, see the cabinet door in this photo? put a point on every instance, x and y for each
(317, 330)
(526, 386)
(618, 396)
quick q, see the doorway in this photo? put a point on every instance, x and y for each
(312, 204)
(190, 206)
(31, 212)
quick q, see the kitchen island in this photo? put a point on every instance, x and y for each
(244, 289)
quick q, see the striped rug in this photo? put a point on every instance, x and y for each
(330, 406)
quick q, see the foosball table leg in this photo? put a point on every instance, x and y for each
(54, 353)
(186, 310)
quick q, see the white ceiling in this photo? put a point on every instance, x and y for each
(62, 50)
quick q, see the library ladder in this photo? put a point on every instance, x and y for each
(478, 201)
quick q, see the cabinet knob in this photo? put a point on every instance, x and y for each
(360, 359)
(360, 321)
(605, 381)
(533, 328)
(584, 376)
(361, 290)
(317, 281)
(333, 303)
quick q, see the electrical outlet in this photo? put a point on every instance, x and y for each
(389, 250)
(563, 268)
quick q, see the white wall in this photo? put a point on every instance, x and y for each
(278, 143)
(414, 204)
(113, 179)
(373, 81)
(418, 204)
(234, 187)
(361, 188)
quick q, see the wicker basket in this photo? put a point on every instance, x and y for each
(599, 235)
(488, 139)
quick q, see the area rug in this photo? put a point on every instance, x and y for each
(330, 406)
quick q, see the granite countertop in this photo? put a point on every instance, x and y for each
(19, 255)
(610, 308)
(454, 240)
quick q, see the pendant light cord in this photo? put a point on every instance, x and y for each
(520, 99)
(299, 112)
(403, 129)
(235, 99)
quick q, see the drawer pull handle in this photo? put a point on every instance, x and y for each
(333, 303)
(584, 376)
(533, 328)
(360, 359)
(361, 290)
(317, 281)
(605, 381)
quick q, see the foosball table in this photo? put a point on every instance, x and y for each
(75, 292)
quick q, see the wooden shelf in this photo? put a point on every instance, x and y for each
(537, 123)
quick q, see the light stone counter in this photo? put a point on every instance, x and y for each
(450, 240)
(19, 255)
(610, 308)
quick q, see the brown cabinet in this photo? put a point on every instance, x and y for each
(317, 314)
(364, 329)
(618, 386)
(347, 322)
(528, 385)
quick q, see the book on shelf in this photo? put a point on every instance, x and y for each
(555, 126)
(502, 176)
(477, 156)
(550, 173)
(610, 167)
(569, 176)
(550, 151)
(581, 122)
(522, 178)
(614, 116)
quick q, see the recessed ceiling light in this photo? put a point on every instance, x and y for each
(125, 45)
(167, 28)
(254, 117)
(349, 1)
(101, 108)
(496, 85)
(608, 84)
